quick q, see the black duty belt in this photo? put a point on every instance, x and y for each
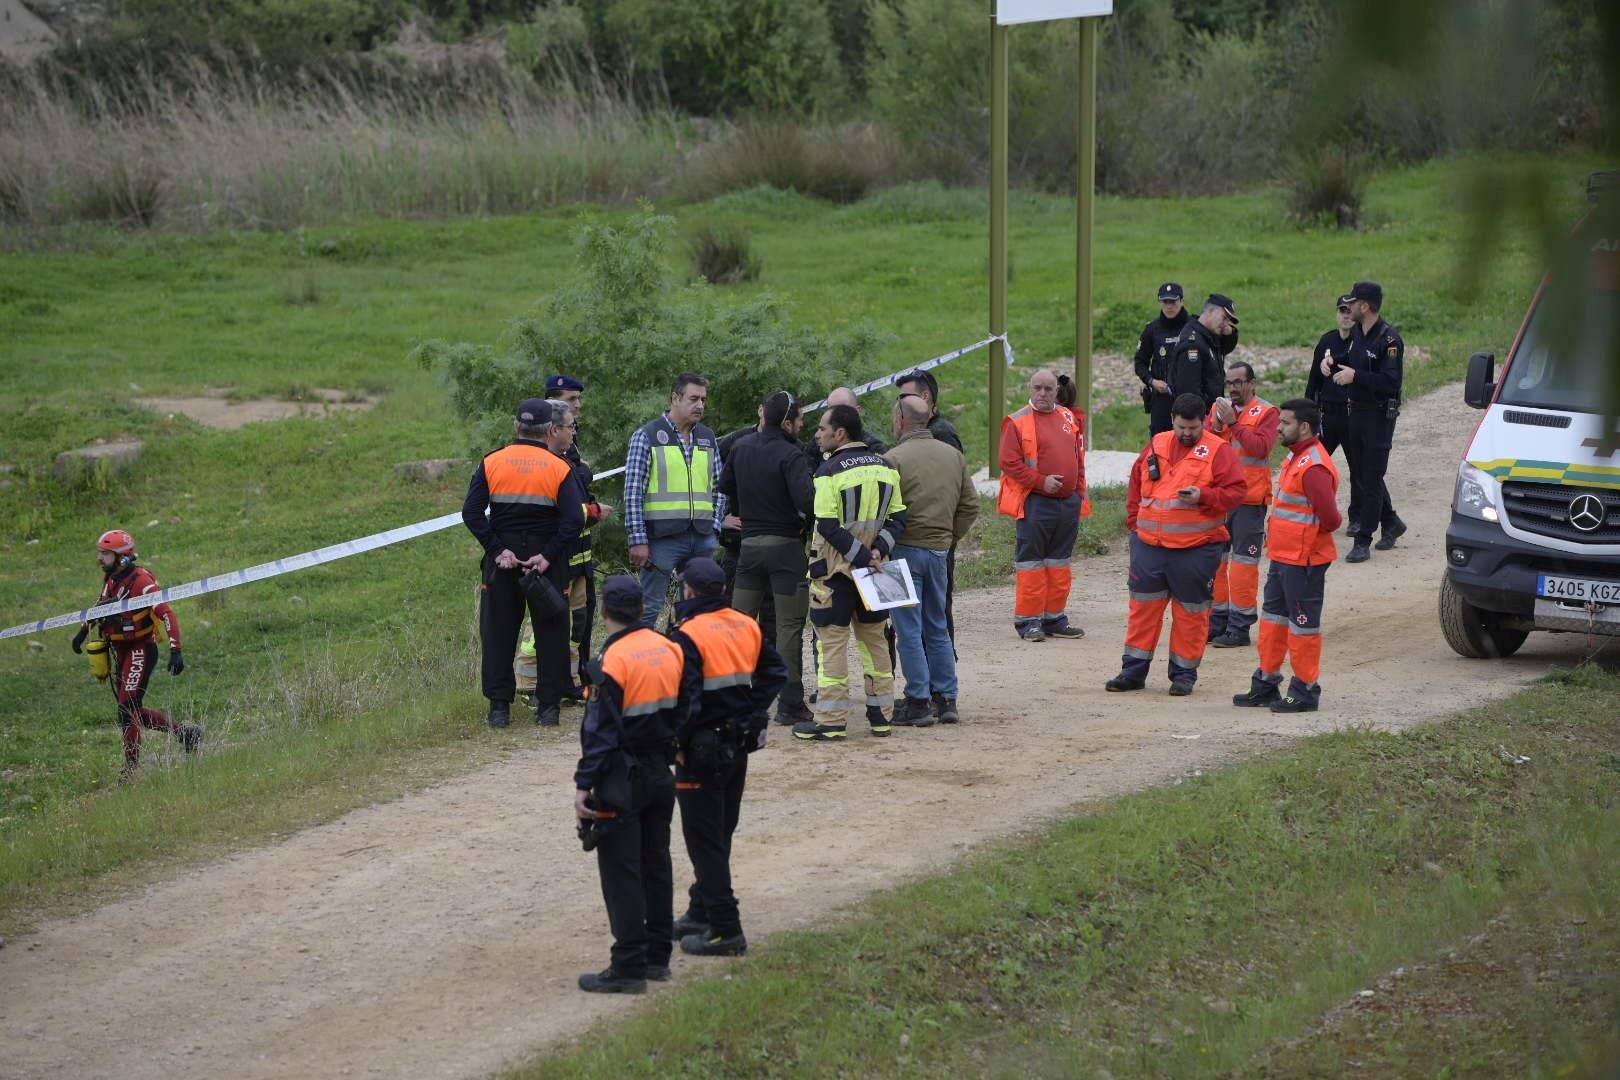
(1366, 406)
(1334, 408)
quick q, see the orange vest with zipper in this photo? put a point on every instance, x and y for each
(1162, 519)
(1295, 535)
(1256, 471)
(1012, 496)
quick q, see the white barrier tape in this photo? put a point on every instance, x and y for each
(241, 577)
(391, 536)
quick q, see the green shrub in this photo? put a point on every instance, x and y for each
(722, 56)
(1325, 187)
(840, 163)
(625, 327)
(723, 256)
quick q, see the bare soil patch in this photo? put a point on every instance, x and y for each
(216, 410)
(440, 935)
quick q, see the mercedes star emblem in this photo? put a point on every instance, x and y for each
(1586, 512)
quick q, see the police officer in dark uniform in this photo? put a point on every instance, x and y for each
(1153, 356)
(731, 675)
(1332, 351)
(1196, 354)
(1371, 377)
(535, 509)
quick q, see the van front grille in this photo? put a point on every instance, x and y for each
(1550, 510)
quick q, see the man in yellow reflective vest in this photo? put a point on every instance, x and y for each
(672, 511)
(1043, 482)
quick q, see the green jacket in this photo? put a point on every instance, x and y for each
(941, 502)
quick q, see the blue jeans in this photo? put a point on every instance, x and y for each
(921, 635)
(669, 555)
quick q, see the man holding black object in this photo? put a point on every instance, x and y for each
(535, 513)
(1332, 350)
(1371, 377)
(624, 794)
(731, 674)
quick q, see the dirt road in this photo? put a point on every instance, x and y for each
(440, 935)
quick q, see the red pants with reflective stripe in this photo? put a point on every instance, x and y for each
(131, 671)
(1237, 582)
(1181, 578)
(1291, 624)
(1045, 544)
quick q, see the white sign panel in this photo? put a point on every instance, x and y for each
(1027, 11)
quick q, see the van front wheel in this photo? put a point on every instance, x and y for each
(1471, 632)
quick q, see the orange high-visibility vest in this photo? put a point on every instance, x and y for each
(521, 473)
(729, 643)
(1295, 535)
(1013, 495)
(1256, 470)
(647, 666)
(1162, 519)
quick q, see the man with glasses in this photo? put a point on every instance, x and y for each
(569, 391)
(767, 481)
(1249, 424)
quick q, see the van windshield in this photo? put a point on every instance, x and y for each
(1553, 371)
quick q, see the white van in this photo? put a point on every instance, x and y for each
(1534, 539)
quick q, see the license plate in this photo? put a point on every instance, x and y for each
(1578, 589)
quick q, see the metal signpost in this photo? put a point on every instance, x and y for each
(1006, 13)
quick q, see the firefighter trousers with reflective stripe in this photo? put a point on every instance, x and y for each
(1237, 582)
(838, 615)
(1183, 578)
(1044, 549)
(709, 812)
(1291, 628)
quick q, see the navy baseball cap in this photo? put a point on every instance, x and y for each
(1224, 302)
(1344, 301)
(563, 382)
(1370, 291)
(1170, 291)
(622, 591)
(534, 411)
(705, 576)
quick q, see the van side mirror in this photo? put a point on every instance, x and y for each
(1477, 387)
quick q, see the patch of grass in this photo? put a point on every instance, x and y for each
(1199, 929)
(1326, 187)
(840, 163)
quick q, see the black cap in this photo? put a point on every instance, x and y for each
(534, 411)
(705, 576)
(563, 382)
(1370, 291)
(620, 592)
(1224, 302)
(1344, 301)
(1170, 291)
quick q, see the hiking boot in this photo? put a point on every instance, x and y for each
(608, 981)
(1291, 704)
(694, 945)
(1391, 534)
(1066, 630)
(500, 714)
(793, 714)
(1359, 552)
(191, 737)
(690, 924)
(913, 712)
(1181, 687)
(549, 716)
(658, 973)
(1254, 699)
(945, 709)
(879, 721)
(1122, 682)
(809, 729)
(1032, 632)
(1232, 639)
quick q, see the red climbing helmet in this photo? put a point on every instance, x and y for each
(116, 541)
